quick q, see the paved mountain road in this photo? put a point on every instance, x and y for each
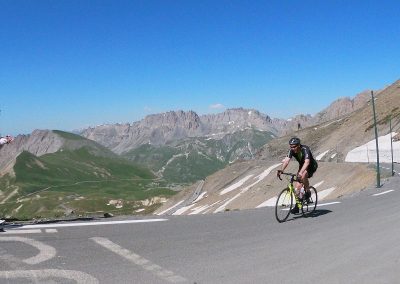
(354, 241)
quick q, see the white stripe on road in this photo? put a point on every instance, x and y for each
(46, 252)
(319, 205)
(91, 223)
(138, 260)
(21, 232)
(325, 204)
(18, 231)
(381, 193)
(33, 276)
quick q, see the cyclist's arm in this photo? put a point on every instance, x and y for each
(304, 168)
(285, 163)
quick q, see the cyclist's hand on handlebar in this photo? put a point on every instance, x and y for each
(278, 174)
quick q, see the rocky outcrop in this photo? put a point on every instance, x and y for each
(40, 142)
(343, 106)
(164, 128)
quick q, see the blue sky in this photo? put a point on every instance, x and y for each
(73, 64)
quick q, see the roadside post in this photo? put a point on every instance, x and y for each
(378, 175)
(391, 142)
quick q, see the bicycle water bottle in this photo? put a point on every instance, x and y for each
(301, 193)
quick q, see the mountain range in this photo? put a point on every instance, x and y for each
(62, 169)
(164, 128)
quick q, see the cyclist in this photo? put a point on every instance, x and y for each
(307, 167)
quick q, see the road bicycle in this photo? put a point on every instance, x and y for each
(288, 198)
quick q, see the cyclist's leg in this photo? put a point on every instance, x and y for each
(309, 173)
(306, 182)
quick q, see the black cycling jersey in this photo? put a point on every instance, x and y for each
(302, 155)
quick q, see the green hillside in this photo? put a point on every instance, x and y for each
(79, 181)
(193, 159)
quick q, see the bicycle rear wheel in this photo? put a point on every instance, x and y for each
(284, 203)
(310, 204)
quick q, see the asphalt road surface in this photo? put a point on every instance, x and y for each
(355, 239)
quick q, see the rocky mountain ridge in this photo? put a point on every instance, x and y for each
(164, 128)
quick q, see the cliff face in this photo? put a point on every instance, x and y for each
(164, 128)
(343, 106)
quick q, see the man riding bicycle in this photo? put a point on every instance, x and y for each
(307, 167)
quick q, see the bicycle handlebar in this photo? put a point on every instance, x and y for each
(295, 177)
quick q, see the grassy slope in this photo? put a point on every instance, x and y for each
(196, 158)
(77, 180)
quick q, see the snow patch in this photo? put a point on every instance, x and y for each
(367, 152)
(265, 173)
(320, 156)
(324, 193)
(170, 208)
(270, 202)
(318, 184)
(222, 207)
(236, 185)
(200, 197)
(183, 209)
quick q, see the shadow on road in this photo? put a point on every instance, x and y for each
(316, 213)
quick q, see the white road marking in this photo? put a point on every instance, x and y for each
(18, 231)
(140, 261)
(35, 275)
(325, 204)
(381, 193)
(21, 232)
(46, 252)
(319, 205)
(42, 226)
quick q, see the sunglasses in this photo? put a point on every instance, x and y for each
(294, 147)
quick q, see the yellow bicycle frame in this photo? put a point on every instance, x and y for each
(293, 192)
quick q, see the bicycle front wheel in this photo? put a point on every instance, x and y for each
(283, 205)
(310, 204)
